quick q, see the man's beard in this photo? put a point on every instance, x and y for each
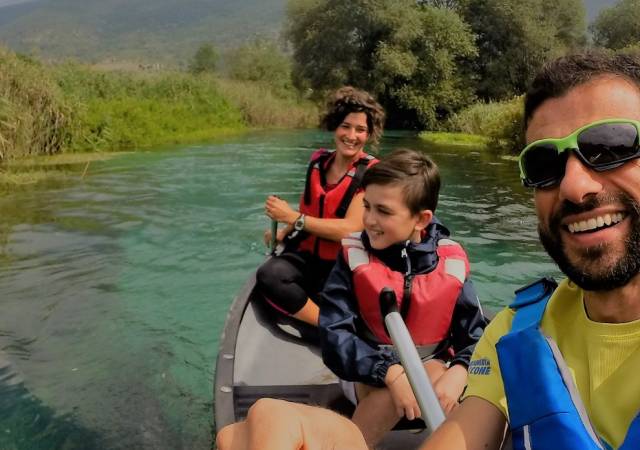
(593, 274)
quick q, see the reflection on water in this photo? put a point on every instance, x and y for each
(114, 288)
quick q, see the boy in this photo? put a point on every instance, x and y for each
(406, 248)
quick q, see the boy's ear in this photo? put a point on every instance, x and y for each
(424, 219)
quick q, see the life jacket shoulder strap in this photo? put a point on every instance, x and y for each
(318, 158)
(530, 302)
(354, 252)
(455, 262)
(356, 174)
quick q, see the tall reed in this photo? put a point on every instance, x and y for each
(34, 114)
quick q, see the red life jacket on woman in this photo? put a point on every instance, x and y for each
(426, 301)
(316, 201)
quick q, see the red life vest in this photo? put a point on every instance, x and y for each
(426, 301)
(332, 203)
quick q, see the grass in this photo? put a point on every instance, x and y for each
(27, 171)
(451, 139)
(263, 107)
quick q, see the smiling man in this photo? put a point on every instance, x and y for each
(563, 369)
(559, 367)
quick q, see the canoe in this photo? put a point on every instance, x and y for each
(262, 353)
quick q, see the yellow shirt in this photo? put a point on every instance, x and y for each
(604, 359)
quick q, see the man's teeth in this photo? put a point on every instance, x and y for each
(595, 222)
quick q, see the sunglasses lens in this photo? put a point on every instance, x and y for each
(542, 165)
(608, 144)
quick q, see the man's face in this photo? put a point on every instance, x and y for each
(590, 222)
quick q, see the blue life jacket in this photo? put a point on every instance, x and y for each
(545, 409)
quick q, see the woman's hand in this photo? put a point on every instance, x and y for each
(449, 387)
(278, 209)
(282, 233)
(403, 398)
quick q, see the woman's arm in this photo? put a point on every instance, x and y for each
(331, 229)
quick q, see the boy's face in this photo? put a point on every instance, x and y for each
(388, 220)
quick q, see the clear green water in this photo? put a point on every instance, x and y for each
(114, 288)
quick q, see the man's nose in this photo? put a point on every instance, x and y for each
(579, 181)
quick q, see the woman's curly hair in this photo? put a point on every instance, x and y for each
(347, 100)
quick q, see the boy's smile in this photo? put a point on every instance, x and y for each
(387, 219)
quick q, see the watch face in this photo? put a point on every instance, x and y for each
(299, 224)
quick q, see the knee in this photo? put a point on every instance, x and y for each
(224, 438)
(262, 409)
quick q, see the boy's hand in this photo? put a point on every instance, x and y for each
(449, 387)
(403, 398)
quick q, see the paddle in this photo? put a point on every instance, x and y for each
(432, 413)
(274, 237)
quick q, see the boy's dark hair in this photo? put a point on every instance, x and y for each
(559, 76)
(347, 100)
(415, 172)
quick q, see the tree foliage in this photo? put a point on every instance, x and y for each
(403, 52)
(204, 60)
(618, 27)
(514, 38)
(261, 60)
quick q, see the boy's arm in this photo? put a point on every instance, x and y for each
(343, 351)
(467, 324)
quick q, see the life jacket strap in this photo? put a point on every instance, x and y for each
(530, 303)
(356, 181)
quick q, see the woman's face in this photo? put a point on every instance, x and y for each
(351, 135)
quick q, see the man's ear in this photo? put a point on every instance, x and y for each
(424, 219)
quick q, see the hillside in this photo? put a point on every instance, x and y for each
(149, 31)
(162, 31)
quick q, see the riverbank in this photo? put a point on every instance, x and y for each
(76, 109)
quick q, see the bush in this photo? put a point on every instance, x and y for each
(205, 60)
(499, 121)
(261, 61)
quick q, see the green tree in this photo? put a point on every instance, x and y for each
(204, 60)
(262, 61)
(404, 53)
(618, 27)
(514, 38)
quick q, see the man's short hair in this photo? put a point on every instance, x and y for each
(414, 172)
(559, 76)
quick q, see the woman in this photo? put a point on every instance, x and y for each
(330, 208)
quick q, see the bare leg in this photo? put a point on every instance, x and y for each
(309, 313)
(375, 414)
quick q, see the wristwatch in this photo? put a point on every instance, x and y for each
(298, 225)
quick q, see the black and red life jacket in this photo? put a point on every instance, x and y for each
(317, 201)
(426, 301)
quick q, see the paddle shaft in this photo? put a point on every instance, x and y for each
(274, 236)
(432, 413)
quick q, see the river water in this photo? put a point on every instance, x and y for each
(114, 287)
